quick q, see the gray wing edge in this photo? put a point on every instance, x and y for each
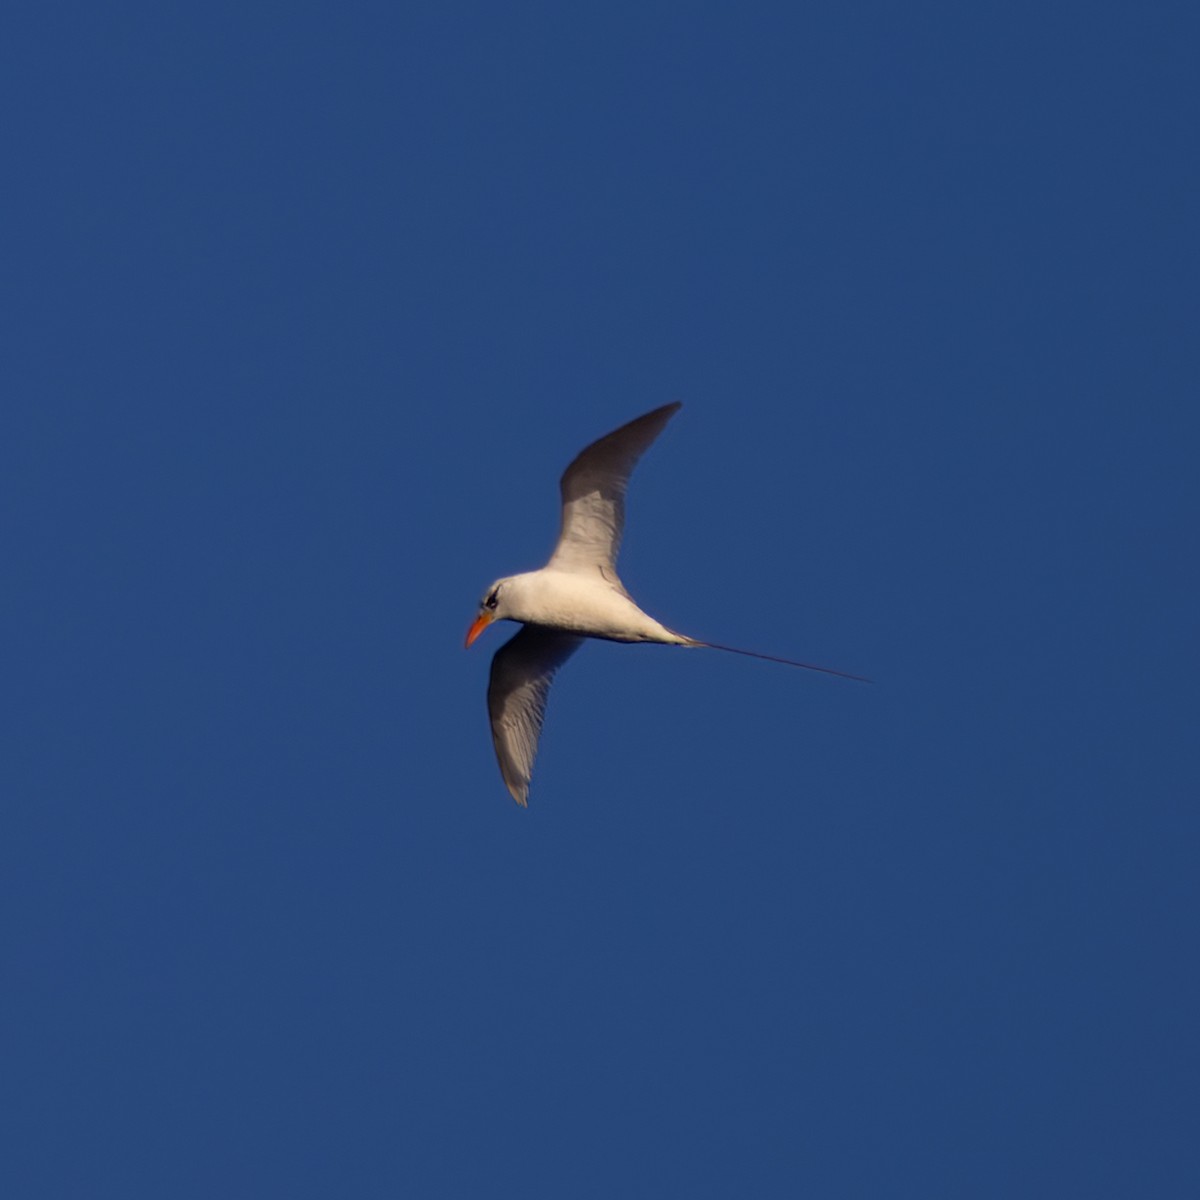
(522, 671)
(602, 470)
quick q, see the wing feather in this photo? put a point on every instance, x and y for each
(593, 494)
(522, 671)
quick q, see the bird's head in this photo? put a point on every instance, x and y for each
(491, 608)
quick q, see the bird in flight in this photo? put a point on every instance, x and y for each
(576, 595)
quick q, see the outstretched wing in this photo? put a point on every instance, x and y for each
(522, 671)
(593, 494)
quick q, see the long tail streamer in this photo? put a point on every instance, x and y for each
(787, 662)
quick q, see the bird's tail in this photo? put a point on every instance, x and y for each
(787, 662)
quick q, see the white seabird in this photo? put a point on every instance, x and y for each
(576, 595)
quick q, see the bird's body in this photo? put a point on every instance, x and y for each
(576, 595)
(582, 603)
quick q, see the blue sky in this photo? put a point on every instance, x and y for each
(306, 309)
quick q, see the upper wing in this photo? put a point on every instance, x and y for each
(522, 670)
(593, 494)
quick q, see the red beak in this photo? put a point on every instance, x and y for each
(480, 623)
